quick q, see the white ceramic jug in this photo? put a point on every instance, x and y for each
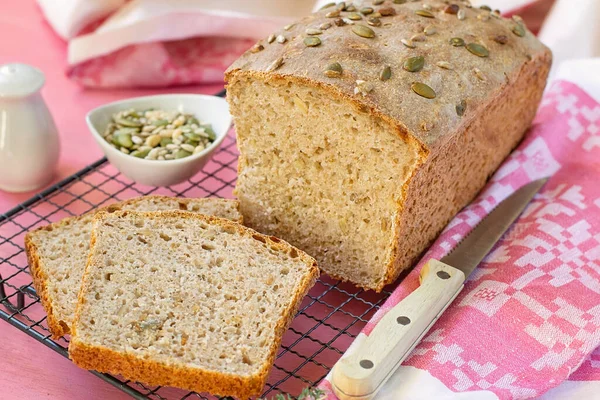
(29, 144)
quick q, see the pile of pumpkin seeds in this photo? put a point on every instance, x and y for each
(158, 134)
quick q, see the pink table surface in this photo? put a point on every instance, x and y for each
(28, 369)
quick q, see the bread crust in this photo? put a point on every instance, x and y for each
(57, 326)
(430, 126)
(477, 154)
(40, 278)
(393, 100)
(103, 359)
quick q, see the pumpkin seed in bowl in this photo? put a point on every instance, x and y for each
(158, 134)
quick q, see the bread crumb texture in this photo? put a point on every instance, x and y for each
(58, 252)
(186, 300)
(330, 185)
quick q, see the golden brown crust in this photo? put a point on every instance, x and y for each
(152, 372)
(364, 58)
(477, 151)
(106, 360)
(59, 327)
(183, 203)
(40, 278)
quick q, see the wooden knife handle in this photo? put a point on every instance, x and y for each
(360, 375)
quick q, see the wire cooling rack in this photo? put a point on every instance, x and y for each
(330, 317)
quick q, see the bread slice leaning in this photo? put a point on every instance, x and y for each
(186, 300)
(57, 253)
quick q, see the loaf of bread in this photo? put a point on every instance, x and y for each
(364, 129)
(182, 299)
(57, 253)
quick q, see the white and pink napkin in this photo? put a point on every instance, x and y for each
(530, 315)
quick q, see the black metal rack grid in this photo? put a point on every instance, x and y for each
(330, 317)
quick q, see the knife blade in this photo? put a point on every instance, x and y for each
(362, 373)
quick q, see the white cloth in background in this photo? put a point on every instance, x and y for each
(69, 17)
(572, 31)
(144, 21)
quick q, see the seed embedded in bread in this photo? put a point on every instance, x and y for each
(187, 300)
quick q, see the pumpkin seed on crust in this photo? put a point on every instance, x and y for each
(430, 30)
(444, 65)
(423, 90)
(519, 30)
(374, 21)
(256, 48)
(414, 64)
(327, 6)
(460, 108)
(501, 39)
(478, 50)
(387, 11)
(363, 31)
(452, 9)
(386, 73)
(275, 64)
(424, 13)
(312, 41)
(408, 43)
(457, 42)
(333, 70)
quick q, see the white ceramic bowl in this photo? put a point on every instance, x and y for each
(209, 109)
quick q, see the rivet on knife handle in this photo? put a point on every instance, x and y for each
(361, 374)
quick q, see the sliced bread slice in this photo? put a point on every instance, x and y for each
(186, 300)
(57, 253)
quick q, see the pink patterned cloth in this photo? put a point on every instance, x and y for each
(529, 316)
(179, 62)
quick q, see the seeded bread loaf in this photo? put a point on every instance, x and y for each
(57, 253)
(369, 128)
(186, 300)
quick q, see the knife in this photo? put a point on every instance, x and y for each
(362, 373)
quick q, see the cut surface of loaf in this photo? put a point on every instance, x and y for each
(346, 154)
(186, 300)
(58, 252)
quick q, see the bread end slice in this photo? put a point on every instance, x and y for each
(57, 252)
(109, 339)
(39, 276)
